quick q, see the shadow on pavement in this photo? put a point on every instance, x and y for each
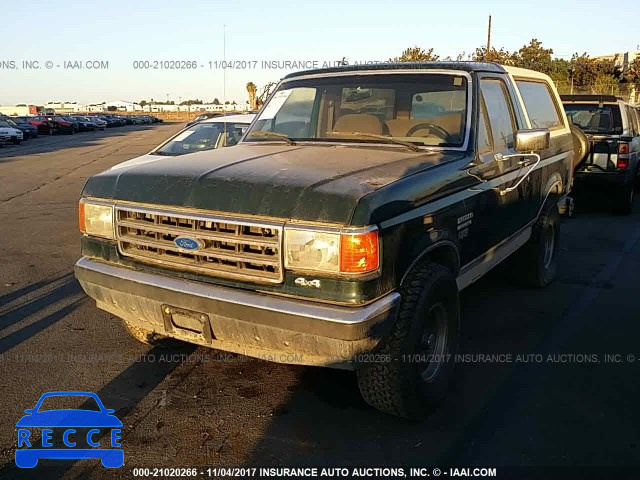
(122, 394)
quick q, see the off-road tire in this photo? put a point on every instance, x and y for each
(530, 267)
(393, 383)
(147, 337)
(624, 204)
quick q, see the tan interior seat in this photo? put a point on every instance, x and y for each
(359, 122)
(452, 123)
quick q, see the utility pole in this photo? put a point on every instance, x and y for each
(224, 71)
(487, 55)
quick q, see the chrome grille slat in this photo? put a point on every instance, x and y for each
(232, 247)
(204, 236)
(205, 252)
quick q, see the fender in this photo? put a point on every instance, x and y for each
(441, 243)
(554, 182)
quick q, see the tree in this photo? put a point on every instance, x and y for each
(216, 101)
(593, 75)
(252, 90)
(142, 103)
(416, 54)
(192, 102)
(631, 76)
(534, 57)
(266, 90)
(502, 56)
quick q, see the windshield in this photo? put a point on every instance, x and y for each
(4, 123)
(426, 110)
(594, 118)
(203, 136)
(66, 402)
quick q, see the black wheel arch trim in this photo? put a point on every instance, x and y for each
(441, 243)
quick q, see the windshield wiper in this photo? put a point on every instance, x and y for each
(160, 152)
(281, 136)
(387, 139)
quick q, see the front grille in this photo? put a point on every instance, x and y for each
(228, 247)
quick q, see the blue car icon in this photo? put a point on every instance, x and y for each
(69, 420)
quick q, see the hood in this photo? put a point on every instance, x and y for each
(320, 183)
(69, 418)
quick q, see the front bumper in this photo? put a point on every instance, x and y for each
(269, 327)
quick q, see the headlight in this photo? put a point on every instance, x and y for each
(95, 218)
(332, 251)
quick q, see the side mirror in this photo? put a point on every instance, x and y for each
(532, 140)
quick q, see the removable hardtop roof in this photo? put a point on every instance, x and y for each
(463, 66)
(590, 98)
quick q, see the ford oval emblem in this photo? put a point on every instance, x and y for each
(187, 243)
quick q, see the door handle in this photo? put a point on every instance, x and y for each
(532, 158)
(526, 162)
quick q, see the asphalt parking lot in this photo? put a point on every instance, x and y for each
(561, 402)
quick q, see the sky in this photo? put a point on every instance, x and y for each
(205, 32)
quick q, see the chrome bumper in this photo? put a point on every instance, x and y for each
(259, 325)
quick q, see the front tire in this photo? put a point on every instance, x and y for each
(417, 359)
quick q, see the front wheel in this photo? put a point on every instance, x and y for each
(415, 362)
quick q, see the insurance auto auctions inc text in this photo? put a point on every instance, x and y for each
(351, 472)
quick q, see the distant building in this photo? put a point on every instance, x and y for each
(209, 107)
(622, 61)
(122, 106)
(18, 110)
(64, 107)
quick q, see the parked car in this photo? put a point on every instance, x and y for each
(54, 124)
(69, 119)
(8, 133)
(83, 124)
(28, 130)
(42, 124)
(612, 163)
(207, 135)
(94, 122)
(204, 116)
(340, 229)
(126, 120)
(109, 122)
(118, 121)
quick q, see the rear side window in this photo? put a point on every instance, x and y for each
(499, 112)
(540, 104)
(633, 121)
(595, 118)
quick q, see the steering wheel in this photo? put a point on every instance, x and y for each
(437, 129)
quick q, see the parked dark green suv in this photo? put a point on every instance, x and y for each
(341, 228)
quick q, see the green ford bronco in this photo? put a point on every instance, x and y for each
(341, 228)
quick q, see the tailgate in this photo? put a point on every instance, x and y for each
(603, 154)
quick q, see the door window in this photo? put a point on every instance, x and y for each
(499, 113)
